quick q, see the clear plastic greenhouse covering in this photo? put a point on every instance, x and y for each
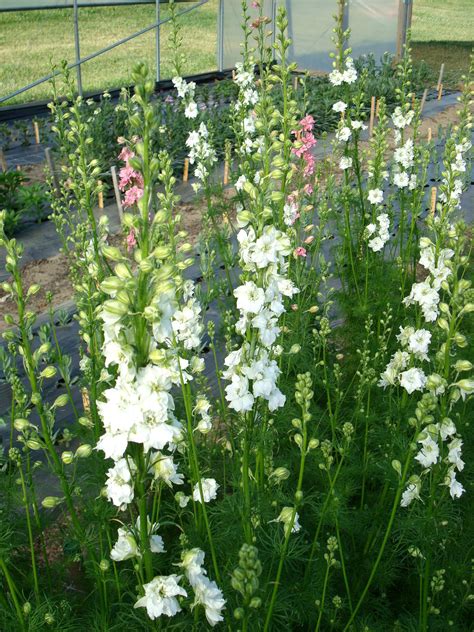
(373, 23)
(23, 5)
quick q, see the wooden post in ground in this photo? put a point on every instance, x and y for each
(118, 198)
(372, 116)
(226, 173)
(440, 91)
(429, 135)
(37, 132)
(100, 195)
(440, 78)
(434, 193)
(423, 100)
(186, 170)
(3, 160)
(52, 169)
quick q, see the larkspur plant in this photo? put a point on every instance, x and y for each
(282, 443)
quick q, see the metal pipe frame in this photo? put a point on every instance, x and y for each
(106, 49)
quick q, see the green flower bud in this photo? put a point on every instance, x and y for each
(61, 401)
(21, 424)
(280, 474)
(83, 451)
(463, 365)
(112, 252)
(239, 613)
(50, 502)
(67, 458)
(33, 444)
(397, 466)
(104, 565)
(255, 602)
(26, 608)
(48, 372)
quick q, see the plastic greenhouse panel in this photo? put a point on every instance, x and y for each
(374, 26)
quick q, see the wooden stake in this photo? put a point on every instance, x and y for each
(372, 116)
(118, 197)
(233, 75)
(37, 132)
(186, 170)
(3, 160)
(226, 173)
(423, 100)
(440, 78)
(52, 170)
(440, 91)
(295, 83)
(101, 195)
(434, 193)
(429, 134)
(18, 168)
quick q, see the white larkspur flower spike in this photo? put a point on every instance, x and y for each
(209, 490)
(375, 196)
(160, 596)
(119, 485)
(429, 452)
(206, 591)
(413, 380)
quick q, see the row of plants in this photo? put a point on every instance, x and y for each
(282, 444)
(21, 200)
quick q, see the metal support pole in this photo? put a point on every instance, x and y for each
(157, 41)
(220, 36)
(78, 48)
(401, 28)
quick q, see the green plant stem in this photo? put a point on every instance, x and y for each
(289, 528)
(30, 532)
(386, 536)
(13, 592)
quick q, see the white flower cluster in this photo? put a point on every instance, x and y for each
(337, 78)
(186, 92)
(426, 293)
(126, 546)
(251, 369)
(248, 96)
(378, 233)
(415, 343)
(404, 160)
(201, 152)
(285, 517)
(206, 591)
(400, 120)
(160, 596)
(244, 111)
(431, 439)
(456, 168)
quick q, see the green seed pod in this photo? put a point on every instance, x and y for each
(50, 502)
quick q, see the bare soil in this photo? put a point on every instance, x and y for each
(52, 273)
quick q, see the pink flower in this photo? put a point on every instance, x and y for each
(131, 240)
(307, 123)
(132, 196)
(299, 252)
(308, 188)
(129, 177)
(125, 154)
(255, 4)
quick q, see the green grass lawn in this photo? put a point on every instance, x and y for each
(30, 41)
(443, 21)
